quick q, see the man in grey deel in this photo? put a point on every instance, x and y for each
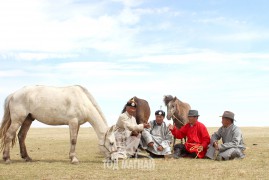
(232, 140)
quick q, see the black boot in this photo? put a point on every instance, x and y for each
(177, 153)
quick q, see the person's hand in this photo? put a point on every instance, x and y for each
(215, 145)
(134, 133)
(200, 148)
(146, 125)
(171, 127)
(160, 148)
(150, 144)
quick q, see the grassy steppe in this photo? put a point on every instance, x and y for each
(49, 148)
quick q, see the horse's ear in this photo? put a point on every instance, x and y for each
(175, 98)
(111, 129)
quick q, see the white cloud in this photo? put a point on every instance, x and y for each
(77, 70)
(128, 17)
(216, 19)
(41, 56)
(154, 11)
(130, 3)
(206, 56)
(28, 28)
(241, 36)
(12, 73)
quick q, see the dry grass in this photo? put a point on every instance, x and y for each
(49, 150)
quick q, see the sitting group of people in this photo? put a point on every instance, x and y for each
(156, 137)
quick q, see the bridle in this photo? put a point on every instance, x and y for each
(175, 118)
(110, 152)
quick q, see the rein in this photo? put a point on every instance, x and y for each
(195, 147)
(173, 116)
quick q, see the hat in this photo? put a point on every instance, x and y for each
(193, 113)
(228, 114)
(131, 103)
(160, 113)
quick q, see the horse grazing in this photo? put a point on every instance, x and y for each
(142, 110)
(177, 110)
(71, 106)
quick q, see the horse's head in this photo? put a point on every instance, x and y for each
(171, 105)
(108, 146)
(171, 109)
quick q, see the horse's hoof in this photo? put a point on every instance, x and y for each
(7, 161)
(75, 161)
(28, 159)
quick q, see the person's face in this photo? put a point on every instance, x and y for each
(192, 119)
(159, 119)
(131, 110)
(225, 122)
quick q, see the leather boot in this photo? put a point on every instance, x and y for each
(177, 153)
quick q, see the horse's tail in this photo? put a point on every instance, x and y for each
(5, 124)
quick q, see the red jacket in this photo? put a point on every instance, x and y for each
(196, 135)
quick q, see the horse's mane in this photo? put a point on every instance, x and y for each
(179, 102)
(167, 99)
(93, 102)
(182, 110)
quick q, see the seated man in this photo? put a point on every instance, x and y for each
(157, 139)
(127, 131)
(233, 145)
(197, 138)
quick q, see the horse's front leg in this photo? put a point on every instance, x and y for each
(73, 128)
(22, 136)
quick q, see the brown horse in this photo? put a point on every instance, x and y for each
(177, 110)
(142, 110)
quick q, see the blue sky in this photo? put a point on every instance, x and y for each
(212, 54)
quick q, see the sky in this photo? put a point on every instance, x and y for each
(212, 54)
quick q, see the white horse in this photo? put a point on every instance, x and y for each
(71, 106)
